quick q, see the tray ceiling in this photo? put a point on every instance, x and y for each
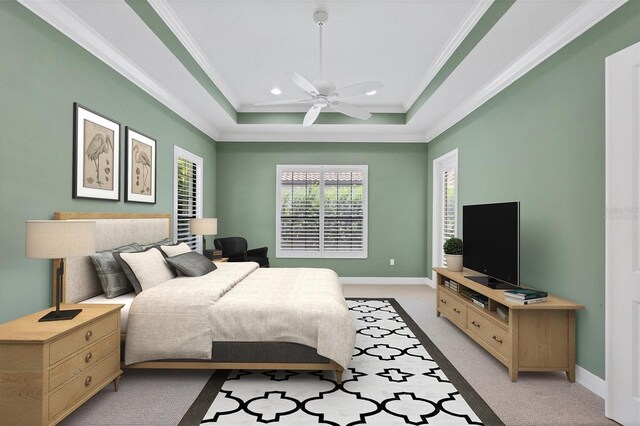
(210, 61)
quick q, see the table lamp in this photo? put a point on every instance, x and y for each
(204, 226)
(58, 239)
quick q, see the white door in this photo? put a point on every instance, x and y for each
(623, 236)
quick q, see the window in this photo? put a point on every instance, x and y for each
(445, 203)
(187, 196)
(321, 211)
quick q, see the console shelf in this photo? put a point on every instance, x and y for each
(538, 337)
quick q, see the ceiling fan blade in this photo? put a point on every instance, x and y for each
(357, 89)
(303, 83)
(311, 115)
(350, 110)
(285, 102)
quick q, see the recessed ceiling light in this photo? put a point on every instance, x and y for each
(276, 91)
(371, 93)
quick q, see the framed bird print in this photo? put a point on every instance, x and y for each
(96, 155)
(140, 175)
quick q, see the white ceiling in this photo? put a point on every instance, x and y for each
(244, 45)
(252, 43)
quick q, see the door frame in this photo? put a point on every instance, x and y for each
(439, 164)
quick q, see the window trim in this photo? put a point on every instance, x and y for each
(199, 162)
(446, 161)
(321, 254)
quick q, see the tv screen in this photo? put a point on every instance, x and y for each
(491, 238)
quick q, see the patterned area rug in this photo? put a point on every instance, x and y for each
(396, 377)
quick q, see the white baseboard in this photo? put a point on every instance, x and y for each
(592, 382)
(386, 280)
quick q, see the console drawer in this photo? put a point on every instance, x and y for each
(82, 338)
(490, 332)
(82, 360)
(452, 307)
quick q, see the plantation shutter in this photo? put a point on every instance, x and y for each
(343, 211)
(448, 206)
(187, 197)
(321, 211)
(300, 211)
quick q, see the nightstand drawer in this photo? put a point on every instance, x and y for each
(82, 338)
(73, 391)
(84, 359)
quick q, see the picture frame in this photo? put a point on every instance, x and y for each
(96, 155)
(141, 164)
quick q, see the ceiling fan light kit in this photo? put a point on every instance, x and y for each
(323, 93)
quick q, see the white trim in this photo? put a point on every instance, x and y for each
(447, 160)
(320, 136)
(587, 15)
(463, 31)
(592, 382)
(167, 14)
(386, 280)
(68, 23)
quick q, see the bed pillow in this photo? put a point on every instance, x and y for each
(112, 278)
(175, 249)
(191, 264)
(145, 269)
(165, 242)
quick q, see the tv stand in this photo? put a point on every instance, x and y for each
(491, 282)
(538, 337)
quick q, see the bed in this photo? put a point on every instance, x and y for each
(246, 330)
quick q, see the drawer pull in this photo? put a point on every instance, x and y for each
(475, 323)
(456, 310)
(444, 302)
(88, 335)
(497, 340)
(87, 381)
(88, 357)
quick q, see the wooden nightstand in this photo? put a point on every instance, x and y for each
(220, 260)
(48, 369)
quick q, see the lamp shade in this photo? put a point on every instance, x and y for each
(204, 226)
(55, 239)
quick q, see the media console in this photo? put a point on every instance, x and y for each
(538, 337)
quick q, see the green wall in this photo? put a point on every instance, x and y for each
(41, 74)
(542, 142)
(246, 203)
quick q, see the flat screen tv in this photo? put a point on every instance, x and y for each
(491, 238)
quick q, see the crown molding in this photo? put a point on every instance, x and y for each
(168, 15)
(395, 109)
(68, 23)
(577, 23)
(320, 136)
(463, 31)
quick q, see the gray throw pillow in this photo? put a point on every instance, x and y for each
(112, 278)
(191, 264)
(165, 242)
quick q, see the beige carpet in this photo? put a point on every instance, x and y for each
(162, 397)
(535, 399)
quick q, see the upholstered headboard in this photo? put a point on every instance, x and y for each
(80, 281)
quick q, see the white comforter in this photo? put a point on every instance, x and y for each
(240, 302)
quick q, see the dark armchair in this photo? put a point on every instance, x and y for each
(235, 248)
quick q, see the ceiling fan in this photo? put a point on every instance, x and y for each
(323, 93)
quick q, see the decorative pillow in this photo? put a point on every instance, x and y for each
(191, 264)
(112, 278)
(165, 242)
(175, 249)
(145, 269)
